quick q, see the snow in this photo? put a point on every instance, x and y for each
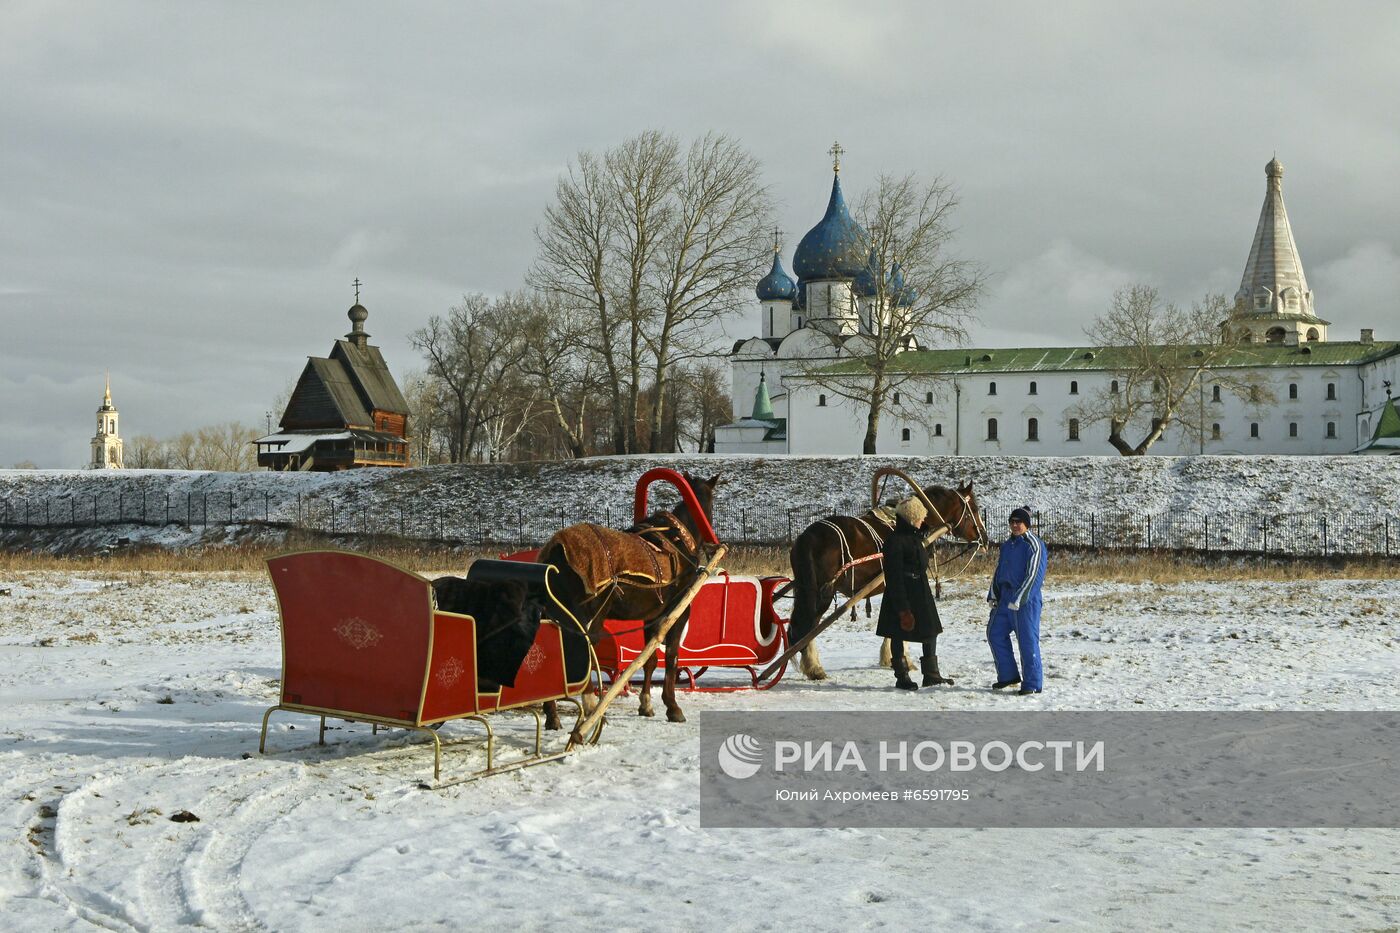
(130, 697)
(757, 498)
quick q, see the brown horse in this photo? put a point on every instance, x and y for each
(634, 574)
(840, 554)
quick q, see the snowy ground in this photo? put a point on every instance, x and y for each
(129, 698)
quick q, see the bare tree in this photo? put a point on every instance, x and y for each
(923, 296)
(473, 353)
(144, 452)
(1161, 355)
(577, 242)
(557, 360)
(707, 258)
(653, 247)
(428, 407)
(226, 447)
(702, 405)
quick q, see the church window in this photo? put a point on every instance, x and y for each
(1312, 334)
(1032, 392)
(938, 430)
(928, 398)
(1331, 429)
(1331, 391)
(1074, 387)
(991, 388)
(1215, 431)
(1033, 429)
(1254, 429)
(904, 435)
(1275, 335)
(1113, 387)
(821, 401)
(896, 398)
(991, 429)
(1074, 429)
(1292, 429)
(1293, 390)
(1215, 393)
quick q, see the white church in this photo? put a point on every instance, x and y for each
(1331, 396)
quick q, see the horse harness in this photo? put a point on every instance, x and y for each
(656, 534)
(849, 561)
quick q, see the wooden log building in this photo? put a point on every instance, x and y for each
(345, 412)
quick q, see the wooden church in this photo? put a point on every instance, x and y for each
(345, 412)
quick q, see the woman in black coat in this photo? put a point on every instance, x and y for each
(908, 611)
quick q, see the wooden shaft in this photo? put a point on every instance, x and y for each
(864, 591)
(649, 649)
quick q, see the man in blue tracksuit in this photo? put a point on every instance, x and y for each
(1014, 598)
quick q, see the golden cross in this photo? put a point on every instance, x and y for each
(777, 239)
(835, 153)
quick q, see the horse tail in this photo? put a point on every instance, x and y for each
(807, 589)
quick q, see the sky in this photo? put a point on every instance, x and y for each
(188, 190)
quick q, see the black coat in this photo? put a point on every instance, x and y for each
(906, 586)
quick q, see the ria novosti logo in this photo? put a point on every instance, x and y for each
(740, 756)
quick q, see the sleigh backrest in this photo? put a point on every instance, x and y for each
(356, 635)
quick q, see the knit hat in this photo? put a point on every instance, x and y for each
(1022, 514)
(912, 511)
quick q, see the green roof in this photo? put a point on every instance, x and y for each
(1389, 425)
(1061, 359)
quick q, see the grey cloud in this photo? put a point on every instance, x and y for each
(187, 190)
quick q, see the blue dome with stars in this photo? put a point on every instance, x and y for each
(865, 281)
(837, 247)
(776, 286)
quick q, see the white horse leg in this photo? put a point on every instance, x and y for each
(812, 663)
(886, 659)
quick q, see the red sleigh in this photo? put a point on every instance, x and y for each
(733, 624)
(362, 640)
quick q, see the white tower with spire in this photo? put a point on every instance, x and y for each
(1274, 303)
(106, 443)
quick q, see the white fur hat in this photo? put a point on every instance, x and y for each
(912, 511)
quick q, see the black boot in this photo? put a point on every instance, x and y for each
(1005, 683)
(929, 665)
(901, 673)
(1025, 692)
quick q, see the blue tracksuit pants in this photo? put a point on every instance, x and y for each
(1025, 625)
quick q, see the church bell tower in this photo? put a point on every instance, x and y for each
(106, 443)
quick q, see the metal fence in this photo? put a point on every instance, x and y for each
(411, 519)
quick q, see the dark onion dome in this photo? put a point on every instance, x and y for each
(776, 286)
(837, 247)
(865, 281)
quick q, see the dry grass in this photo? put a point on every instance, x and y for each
(1115, 566)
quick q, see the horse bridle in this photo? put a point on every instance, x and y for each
(977, 546)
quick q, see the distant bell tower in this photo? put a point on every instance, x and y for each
(106, 443)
